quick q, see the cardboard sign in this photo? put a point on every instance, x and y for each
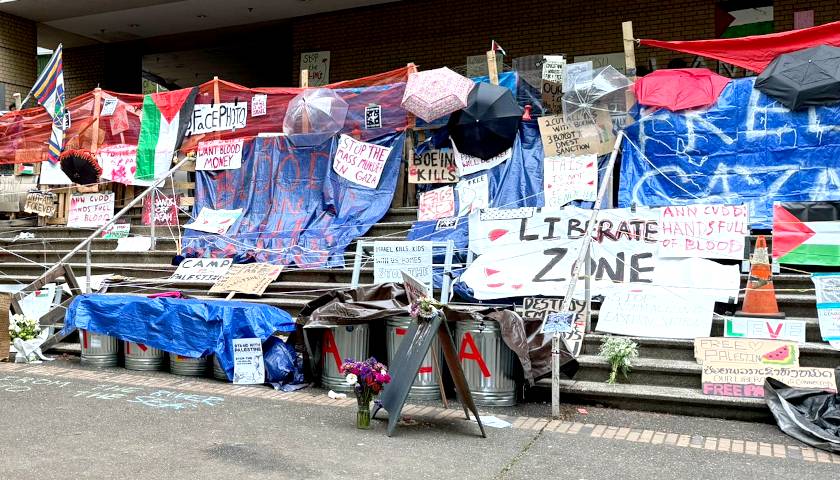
(42, 203)
(437, 203)
(560, 138)
(219, 154)
(202, 269)
(218, 117)
(214, 221)
(414, 289)
(391, 259)
(119, 164)
(248, 278)
(552, 96)
(318, 65)
(373, 116)
(468, 164)
(706, 231)
(360, 162)
(248, 365)
(570, 178)
(604, 59)
(745, 350)
(828, 305)
(767, 328)
(433, 166)
(747, 380)
(116, 231)
(651, 312)
(90, 210)
(552, 68)
(473, 194)
(538, 309)
(165, 210)
(259, 104)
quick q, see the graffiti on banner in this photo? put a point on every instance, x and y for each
(42, 203)
(433, 166)
(90, 210)
(214, 221)
(767, 328)
(202, 269)
(259, 104)
(119, 164)
(219, 154)
(468, 164)
(360, 162)
(165, 210)
(652, 312)
(745, 350)
(217, 117)
(747, 380)
(828, 306)
(706, 231)
(561, 138)
(437, 203)
(248, 278)
(473, 194)
(116, 231)
(567, 178)
(538, 308)
(390, 259)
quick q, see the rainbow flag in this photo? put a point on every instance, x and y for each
(49, 92)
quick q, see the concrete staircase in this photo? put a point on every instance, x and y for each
(664, 379)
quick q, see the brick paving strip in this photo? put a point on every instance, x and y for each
(613, 433)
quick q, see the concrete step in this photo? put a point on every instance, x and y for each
(64, 245)
(645, 371)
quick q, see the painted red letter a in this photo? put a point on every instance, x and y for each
(473, 354)
(331, 347)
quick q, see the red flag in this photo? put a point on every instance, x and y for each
(496, 47)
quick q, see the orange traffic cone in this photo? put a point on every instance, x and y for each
(760, 295)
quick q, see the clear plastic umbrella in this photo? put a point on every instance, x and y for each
(314, 116)
(596, 92)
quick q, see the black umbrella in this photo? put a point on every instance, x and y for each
(487, 126)
(804, 78)
(80, 166)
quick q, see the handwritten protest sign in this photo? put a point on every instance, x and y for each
(165, 210)
(649, 312)
(214, 221)
(42, 203)
(90, 210)
(537, 309)
(570, 178)
(391, 259)
(473, 194)
(248, 365)
(576, 138)
(259, 104)
(202, 269)
(116, 231)
(217, 117)
(552, 96)
(745, 350)
(468, 164)
(248, 278)
(707, 231)
(437, 203)
(360, 162)
(219, 154)
(552, 68)
(828, 306)
(318, 65)
(747, 380)
(767, 328)
(433, 166)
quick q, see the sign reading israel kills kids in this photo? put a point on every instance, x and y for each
(391, 259)
(360, 162)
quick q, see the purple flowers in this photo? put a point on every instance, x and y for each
(367, 377)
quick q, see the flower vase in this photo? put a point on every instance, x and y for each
(426, 317)
(363, 414)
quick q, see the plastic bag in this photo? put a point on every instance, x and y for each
(808, 415)
(283, 366)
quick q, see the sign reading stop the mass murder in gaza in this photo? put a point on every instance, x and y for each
(248, 278)
(360, 162)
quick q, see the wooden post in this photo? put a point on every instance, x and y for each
(629, 50)
(94, 135)
(304, 83)
(492, 67)
(18, 103)
(216, 98)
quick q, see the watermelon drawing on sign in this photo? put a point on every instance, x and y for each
(780, 356)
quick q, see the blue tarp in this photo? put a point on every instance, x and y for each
(747, 148)
(191, 328)
(296, 209)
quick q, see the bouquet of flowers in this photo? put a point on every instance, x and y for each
(425, 308)
(620, 352)
(23, 328)
(367, 377)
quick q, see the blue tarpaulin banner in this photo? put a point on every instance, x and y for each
(747, 148)
(296, 209)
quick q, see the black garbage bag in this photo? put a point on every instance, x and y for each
(808, 415)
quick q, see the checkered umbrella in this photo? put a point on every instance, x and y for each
(432, 94)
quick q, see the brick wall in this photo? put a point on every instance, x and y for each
(84, 69)
(18, 61)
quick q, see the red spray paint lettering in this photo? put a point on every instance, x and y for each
(474, 354)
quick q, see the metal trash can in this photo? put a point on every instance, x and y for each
(425, 386)
(488, 364)
(338, 344)
(218, 371)
(99, 350)
(192, 367)
(141, 357)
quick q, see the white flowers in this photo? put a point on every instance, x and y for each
(23, 328)
(352, 379)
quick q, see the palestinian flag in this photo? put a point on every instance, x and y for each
(166, 116)
(742, 18)
(807, 233)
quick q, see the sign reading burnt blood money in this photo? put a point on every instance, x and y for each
(433, 166)
(572, 138)
(707, 231)
(219, 154)
(90, 210)
(360, 162)
(217, 117)
(747, 380)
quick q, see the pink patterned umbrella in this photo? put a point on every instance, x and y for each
(431, 94)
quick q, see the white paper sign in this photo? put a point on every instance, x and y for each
(552, 68)
(828, 305)
(318, 65)
(570, 178)
(654, 312)
(768, 328)
(219, 154)
(391, 259)
(360, 162)
(116, 230)
(468, 164)
(248, 366)
(473, 194)
(119, 164)
(109, 104)
(51, 174)
(259, 104)
(217, 117)
(202, 269)
(134, 244)
(214, 221)
(706, 231)
(90, 210)
(39, 303)
(437, 203)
